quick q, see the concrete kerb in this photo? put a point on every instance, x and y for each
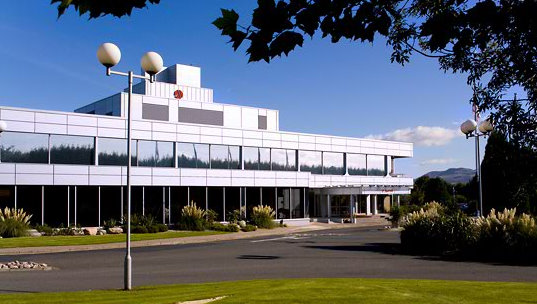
(179, 241)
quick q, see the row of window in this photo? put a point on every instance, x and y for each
(18, 147)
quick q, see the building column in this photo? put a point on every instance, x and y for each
(245, 215)
(261, 195)
(351, 203)
(368, 204)
(42, 205)
(76, 205)
(206, 198)
(164, 205)
(188, 195)
(304, 202)
(224, 203)
(329, 204)
(290, 203)
(398, 200)
(121, 214)
(276, 201)
(143, 200)
(99, 202)
(15, 197)
(375, 208)
(68, 205)
(169, 205)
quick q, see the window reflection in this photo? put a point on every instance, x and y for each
(311, 161)
(77, 150)
(225, 157)
(190, 155)
(113, 151)
(16, 147)
(356, 164)
(283, 160)
(376, 165)
(155, 153)
(333, 163)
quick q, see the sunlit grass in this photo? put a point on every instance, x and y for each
(303, 291)
(96, 239)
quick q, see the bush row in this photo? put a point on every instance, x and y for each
(499, 236)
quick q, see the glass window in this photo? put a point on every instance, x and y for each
(251, 158)
(113, 151)
(283, 160)
(356, 164)
(376, 165)
(225, 157)
(191, 155)
(264, 158)
(256, 158)
(333, 163)
(311, 161)
(155, 153)
(18, 147)
(66, 149)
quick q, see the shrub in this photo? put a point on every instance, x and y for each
(139, 229)
(502, 235)
(211, 215)
(221, 227)
(397, 213)
(14, 223)
(249, 228)
(162, 227)
(192, 218)
(45, 229)
(262, 216)
(505, 235)
(110, 224)
(235, 215)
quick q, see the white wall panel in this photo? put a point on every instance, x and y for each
(18, 115)
(51, 128)
(82, 130)
(232, 117)
(51, 118)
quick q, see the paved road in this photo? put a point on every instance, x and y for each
(356, 252)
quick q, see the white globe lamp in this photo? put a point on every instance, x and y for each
(152, 63)
(108, 54)
(468, 126)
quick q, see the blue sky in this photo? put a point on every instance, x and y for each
(347, 89)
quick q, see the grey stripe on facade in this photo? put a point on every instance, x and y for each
(199, 116)
(155, 112)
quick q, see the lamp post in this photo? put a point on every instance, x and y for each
(470, 128)
(109, 56)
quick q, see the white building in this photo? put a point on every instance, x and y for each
(70, 168)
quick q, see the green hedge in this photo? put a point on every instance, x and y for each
(499, 236)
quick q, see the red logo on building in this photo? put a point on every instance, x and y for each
(178, 94)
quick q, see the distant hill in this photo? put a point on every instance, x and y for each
(453, 175)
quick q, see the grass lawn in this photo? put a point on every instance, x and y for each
(303, 291)
(95, 239)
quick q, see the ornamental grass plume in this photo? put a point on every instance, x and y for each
(16, 214)
(262, 216)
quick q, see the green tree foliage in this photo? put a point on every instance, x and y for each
(99, 8)
(494, 43)
(509, 175)
(428, 189)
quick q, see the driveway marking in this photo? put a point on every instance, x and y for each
(290, 237)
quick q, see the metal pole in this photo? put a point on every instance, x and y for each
(163, 205)
(76, 205)
(224, 203)
(143, 200)
(128, 259)
(169, 206)
(68, 203)
(478, 171)
(15, 192)
(42, 205)
(98, 200)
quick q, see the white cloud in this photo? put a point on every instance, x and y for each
(438, 161)
(421, 135)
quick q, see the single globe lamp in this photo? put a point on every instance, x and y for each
(486, 126)
(108, 54)
(468, 126)
(152, 63)
(3, 126)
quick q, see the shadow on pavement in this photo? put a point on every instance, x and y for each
(397, 249)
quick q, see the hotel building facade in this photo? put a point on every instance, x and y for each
(70, 167)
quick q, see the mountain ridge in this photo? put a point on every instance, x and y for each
(453, 175)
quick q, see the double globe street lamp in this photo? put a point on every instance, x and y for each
(109, 55)
(470, 128)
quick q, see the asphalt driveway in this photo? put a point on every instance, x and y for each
(353, 252)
